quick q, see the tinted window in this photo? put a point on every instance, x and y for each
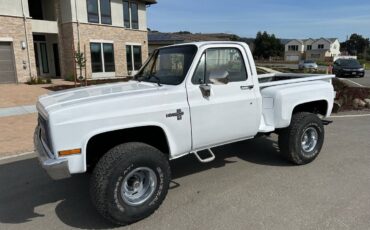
(134, 16)
(105, 12)
(44, 57)
(126, 14)
(129, 58)
(92, 11)
(350, 62)
(96, 61)
(228, 61)
(108, 57)
(137, 57)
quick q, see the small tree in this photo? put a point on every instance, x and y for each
(80, 61)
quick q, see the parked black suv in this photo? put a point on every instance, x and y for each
(348, 68)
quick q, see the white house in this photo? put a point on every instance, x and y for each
(314, 49)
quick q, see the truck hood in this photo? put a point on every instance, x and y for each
(79, 96)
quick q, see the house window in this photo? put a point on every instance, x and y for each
(93, 11)
(309, 47)
(133, 57)
(102, 57)
(105, 12)
(131, 15)
(293, 48)
(320, 46)
(99, 11)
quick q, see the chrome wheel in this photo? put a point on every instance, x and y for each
(309, 140)
(138, 186)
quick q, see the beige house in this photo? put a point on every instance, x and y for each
(323, 49)
(37, 37)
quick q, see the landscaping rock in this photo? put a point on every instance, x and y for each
(367, 101)
(336, 106)
(358, 103)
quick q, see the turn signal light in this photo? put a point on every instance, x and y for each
(69, 152)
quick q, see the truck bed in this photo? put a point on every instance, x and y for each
(272, 79)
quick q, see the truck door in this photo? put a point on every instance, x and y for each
(222, 99)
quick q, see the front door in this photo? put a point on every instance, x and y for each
(231, 111)
(41, 56)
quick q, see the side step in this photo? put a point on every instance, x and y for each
(205, 160)
(326, 122)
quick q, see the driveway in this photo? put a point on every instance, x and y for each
(248, 186)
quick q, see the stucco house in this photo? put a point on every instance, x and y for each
(323, 49)
(37, 37)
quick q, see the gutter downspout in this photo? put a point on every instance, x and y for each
(78, 36)
(27, 44)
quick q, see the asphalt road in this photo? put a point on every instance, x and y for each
(248, 186)
(364, 81)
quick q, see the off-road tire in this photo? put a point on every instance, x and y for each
(107, 177)
(290, 138)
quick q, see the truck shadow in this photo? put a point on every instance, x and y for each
(25, 187)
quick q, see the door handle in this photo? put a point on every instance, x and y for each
(245, 87)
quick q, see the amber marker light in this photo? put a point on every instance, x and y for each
(69, 152)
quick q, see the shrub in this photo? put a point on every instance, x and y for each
(38, 80)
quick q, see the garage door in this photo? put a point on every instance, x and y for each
(7, 70)
(292, 58)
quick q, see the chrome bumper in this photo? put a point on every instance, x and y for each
(56, 168)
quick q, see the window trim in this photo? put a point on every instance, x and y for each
(103, 73)
(99, 13)
(204, 53)
(130, 14)
(131, 45)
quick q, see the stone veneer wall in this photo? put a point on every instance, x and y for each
(88, 32)
(13, 27)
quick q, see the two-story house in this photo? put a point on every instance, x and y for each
(323, 49)
(38, 37)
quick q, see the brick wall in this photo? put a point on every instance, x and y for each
(13, 27)
(87, 32)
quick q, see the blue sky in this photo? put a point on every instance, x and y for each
(284, 18)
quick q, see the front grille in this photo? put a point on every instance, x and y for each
(44, 131)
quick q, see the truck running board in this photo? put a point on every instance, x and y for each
(205, 152)
(326, 122)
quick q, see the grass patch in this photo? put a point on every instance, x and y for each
(38, 81)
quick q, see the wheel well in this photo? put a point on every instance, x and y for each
(316, 107)
(98, 145)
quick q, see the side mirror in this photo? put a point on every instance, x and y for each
(219, 77)
(206, 90)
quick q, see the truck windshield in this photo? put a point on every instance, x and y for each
(168, 65)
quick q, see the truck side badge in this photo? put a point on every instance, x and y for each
(178, 114)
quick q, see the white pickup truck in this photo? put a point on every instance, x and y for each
(186, 99)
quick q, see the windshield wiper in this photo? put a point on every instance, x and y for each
(158, 81)
(141, 78)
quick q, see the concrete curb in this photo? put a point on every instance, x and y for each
(16, 111)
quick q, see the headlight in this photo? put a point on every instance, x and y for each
(360, 69)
